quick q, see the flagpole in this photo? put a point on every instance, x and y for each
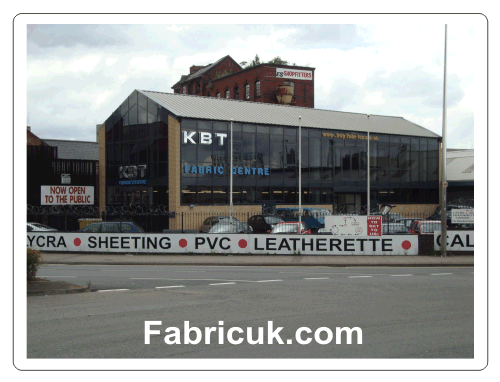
(300, 175)
(231, 177)
(444, 183)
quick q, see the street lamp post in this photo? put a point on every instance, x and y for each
(368, 167)
(231, 178)
(444, 184)
(300, 175)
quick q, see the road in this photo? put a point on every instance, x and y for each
(402, 312)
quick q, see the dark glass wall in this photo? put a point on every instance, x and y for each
(331, 164)
(137, 152)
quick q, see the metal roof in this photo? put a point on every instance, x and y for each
(460, 165)
(221, 109)
(75, 149)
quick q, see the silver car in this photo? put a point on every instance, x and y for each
(208, 223)
(227, 227)
(37, 227)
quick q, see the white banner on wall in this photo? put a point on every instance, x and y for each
(294, 73)
(354, 225)
(462, 216)
(65, 195)
(457, 241)
(220, 244)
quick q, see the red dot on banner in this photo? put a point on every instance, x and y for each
(77, 242)
(406, 244)
(183, 243)
(242, 243)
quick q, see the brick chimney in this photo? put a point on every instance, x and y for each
(194, 68)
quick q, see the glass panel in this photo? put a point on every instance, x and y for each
(188, 195)
(143, 101)
(163, 150)
(262, 155)
(132, 99)
(152, 108)
(133, 115)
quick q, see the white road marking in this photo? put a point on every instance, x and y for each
(440, 274)
(267, 281)
(112, 290)
(401, 275)
(170, 279)
(70, 277)
(221, 283)
(352, 277)
(170, 286)
(316, 278)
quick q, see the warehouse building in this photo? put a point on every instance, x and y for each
(173, 149)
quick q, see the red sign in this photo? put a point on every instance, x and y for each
(374, 225)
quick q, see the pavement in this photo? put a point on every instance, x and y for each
(256, 260)
(47, 287)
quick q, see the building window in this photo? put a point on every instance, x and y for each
(247, 91)
(184, 89)
(236, 93)
(227, 94)
(198, 87)
(217, 95)
(257, 89)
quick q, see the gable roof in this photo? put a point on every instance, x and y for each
(202, 71)
(459, 165)
(221, 109)
(75, 149)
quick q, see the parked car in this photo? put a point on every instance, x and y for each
(313, 217)
(437, 214)
(213, 220)
(406, 221)
(37, 227)
(394, 217)
(263, 223)
(394, 229)
(112, 227)
(227, 227)
(291, 228)
(324, 231)
(425, 227)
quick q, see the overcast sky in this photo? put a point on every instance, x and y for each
(77, 75)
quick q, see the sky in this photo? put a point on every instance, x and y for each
(78, 74)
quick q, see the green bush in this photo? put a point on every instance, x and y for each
(34, 262)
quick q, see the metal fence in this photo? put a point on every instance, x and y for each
(156, 218)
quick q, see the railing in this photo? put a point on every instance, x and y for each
(156, 218)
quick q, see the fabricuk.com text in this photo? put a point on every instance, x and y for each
(192, 335)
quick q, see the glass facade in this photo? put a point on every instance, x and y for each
(137, 153)
(265, 162)
(334, 165)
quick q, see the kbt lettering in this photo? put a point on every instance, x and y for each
(132, 171)
(205, 138)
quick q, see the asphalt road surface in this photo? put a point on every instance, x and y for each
(401, 312)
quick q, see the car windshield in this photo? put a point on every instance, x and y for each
(273, 219)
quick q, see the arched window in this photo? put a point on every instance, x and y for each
(236, 92)
(257, 88)
(247, 91)
(217, 95)
(227, 94)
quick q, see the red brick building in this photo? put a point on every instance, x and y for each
(268, 83)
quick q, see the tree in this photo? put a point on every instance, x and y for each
(278, 61)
